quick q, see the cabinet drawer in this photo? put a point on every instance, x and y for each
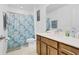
(49, 42)
(68, 49)
(43, 39)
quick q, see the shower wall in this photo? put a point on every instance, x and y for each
(20, 28)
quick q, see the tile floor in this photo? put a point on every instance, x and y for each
(31, 50)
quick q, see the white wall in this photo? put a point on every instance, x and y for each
(41, 25)
(1, 20)
(67, 16)
(75, 21)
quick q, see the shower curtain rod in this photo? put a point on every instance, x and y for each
(16, 12)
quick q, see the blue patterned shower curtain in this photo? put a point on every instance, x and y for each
(20, 28)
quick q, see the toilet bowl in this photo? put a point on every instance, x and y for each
(31, 42)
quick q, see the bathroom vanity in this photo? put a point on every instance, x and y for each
(53, 44)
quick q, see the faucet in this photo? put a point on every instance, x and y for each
(73, 31)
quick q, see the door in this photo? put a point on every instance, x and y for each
(43, 48)
(52, 51)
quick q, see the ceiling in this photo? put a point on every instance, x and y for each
(53, 7)
(28, 7)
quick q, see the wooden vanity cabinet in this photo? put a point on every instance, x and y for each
(43, 49)
(67, 50)
(46, 46)
(38, 44)
(49, 42)
(51, 48)
(51, 51)
(61, 53)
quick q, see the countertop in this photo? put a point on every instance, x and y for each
(61, 38)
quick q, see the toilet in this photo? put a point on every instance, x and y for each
(31, 42)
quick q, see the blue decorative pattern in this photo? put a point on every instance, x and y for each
(20, 28)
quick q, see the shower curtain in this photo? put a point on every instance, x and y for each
(20, 28)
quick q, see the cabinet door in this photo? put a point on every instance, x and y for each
(43, 48)
(38, 44)
(52, 51)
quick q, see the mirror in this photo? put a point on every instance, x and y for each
(62, 13)
(66, 15)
